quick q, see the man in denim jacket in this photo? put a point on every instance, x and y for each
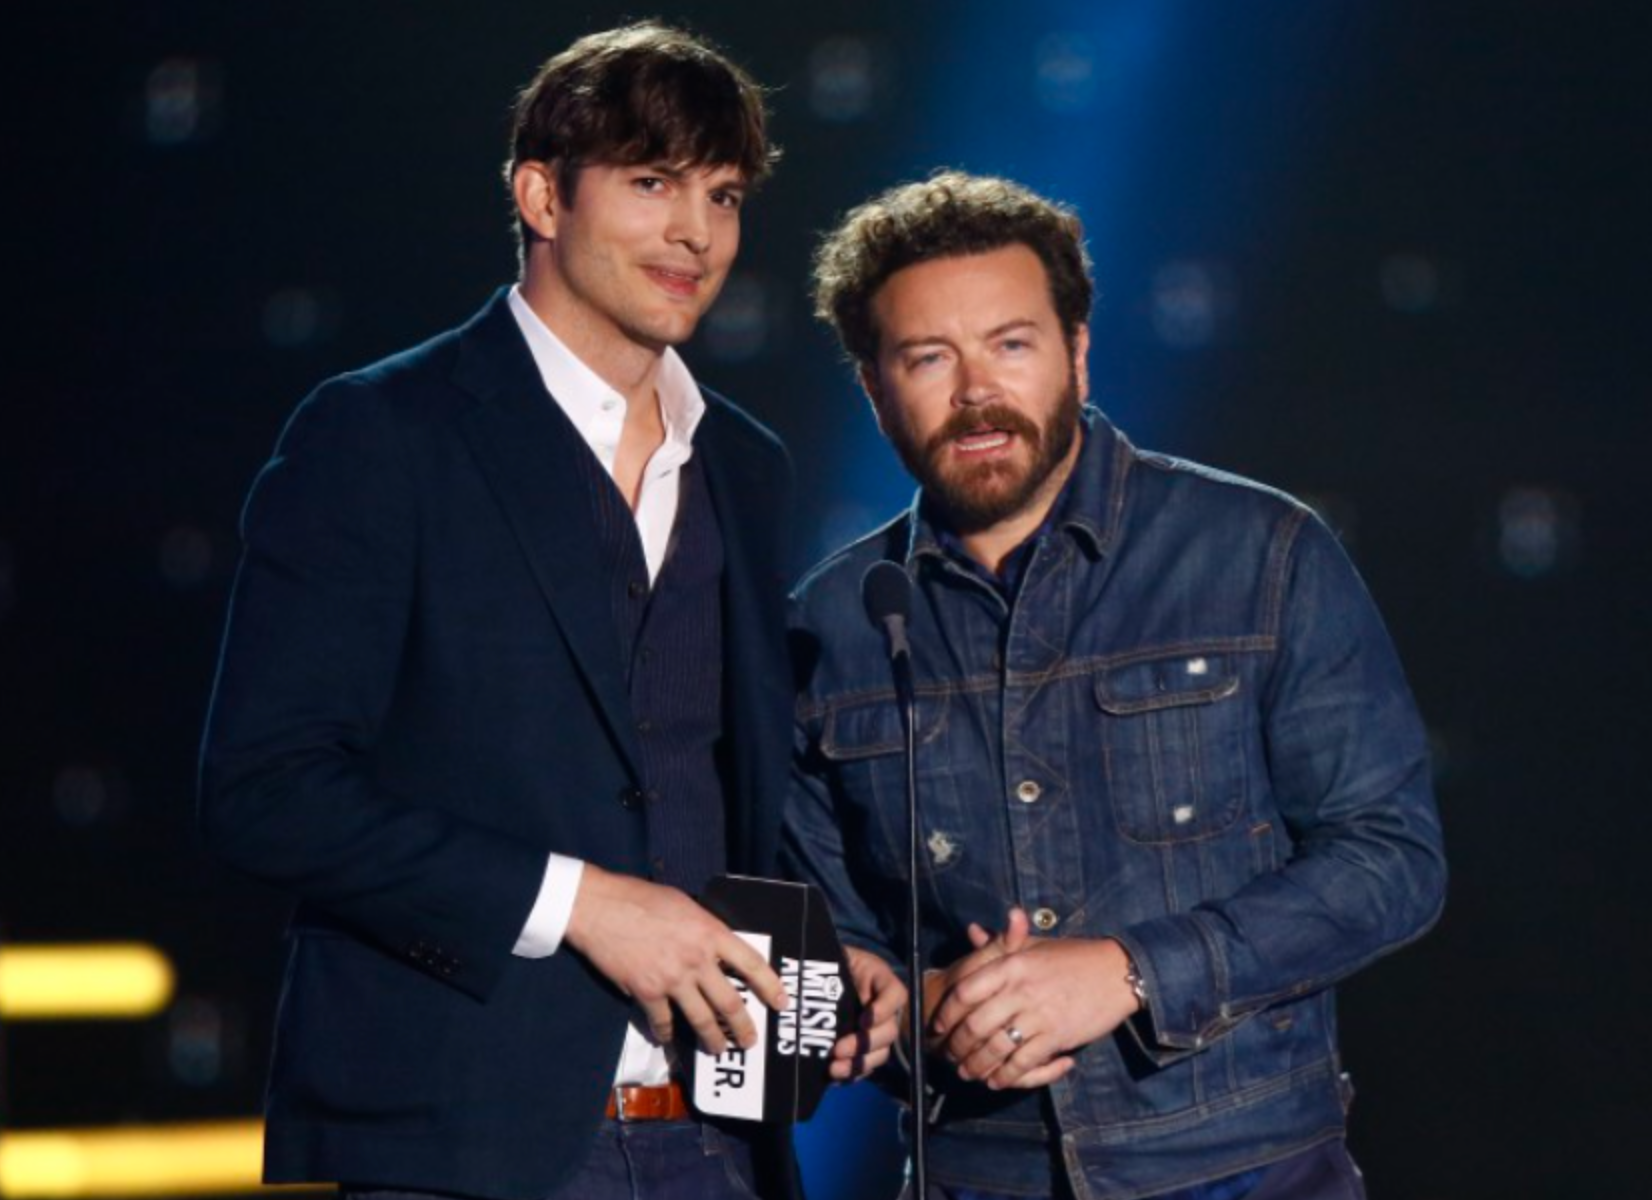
(1172, 785)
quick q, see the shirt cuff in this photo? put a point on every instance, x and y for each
(548, 922)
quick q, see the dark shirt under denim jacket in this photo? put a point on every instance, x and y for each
(1184, 728)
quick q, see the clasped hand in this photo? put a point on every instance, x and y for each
(1012, 1011)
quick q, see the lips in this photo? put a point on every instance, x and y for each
(674, 281)
(982, 434)
(982, 441)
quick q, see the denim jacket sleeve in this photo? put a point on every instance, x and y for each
(812, 851)
(1348, 767)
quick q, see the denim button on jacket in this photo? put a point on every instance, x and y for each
(1187, 730)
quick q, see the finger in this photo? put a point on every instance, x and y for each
(1039, 1076)
(1034, 1053)
(886, 1003)
(1017, 931)
(845, 1070)
(873, 976)
(881, 1034)
(978, 936)
(881, 991)
(702, 1018)
(737, 956)
(728, 1007)
(990, 1056)
(658, 1013)
(969, 993)
(856, 1066)
(980, 1025)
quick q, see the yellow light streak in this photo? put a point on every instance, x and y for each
(93, 980)
(204, 1158)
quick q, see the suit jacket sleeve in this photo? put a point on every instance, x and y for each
(309, 671)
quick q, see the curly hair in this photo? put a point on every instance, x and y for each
(642, 93)
(947, 215)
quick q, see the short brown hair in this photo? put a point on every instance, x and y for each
(947, 215)
(642, 93)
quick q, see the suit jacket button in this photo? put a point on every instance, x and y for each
(631, 797)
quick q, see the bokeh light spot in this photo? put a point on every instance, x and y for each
(300, 316)
(1190, 302)
(1537, 531)
(185, 557)
(1410, 283)
(842, 79)
(182, 101)
(741, 325)
(1066, 72)
(80, 795)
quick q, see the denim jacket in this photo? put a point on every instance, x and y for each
(1189, 731)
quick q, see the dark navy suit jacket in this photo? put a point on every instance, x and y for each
(421, 695)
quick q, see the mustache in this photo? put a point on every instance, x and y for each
(981, 420)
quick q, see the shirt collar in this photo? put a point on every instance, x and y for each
(596, 409)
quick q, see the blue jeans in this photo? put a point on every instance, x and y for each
(1322, 1172)
(645, 1160)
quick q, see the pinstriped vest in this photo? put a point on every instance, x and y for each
(671, 642)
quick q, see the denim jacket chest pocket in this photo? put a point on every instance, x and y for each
(1175, 742)
(865, 743)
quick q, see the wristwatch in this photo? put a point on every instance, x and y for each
(1133, 978)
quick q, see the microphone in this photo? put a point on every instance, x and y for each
(887, 593)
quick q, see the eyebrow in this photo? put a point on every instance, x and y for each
(996, 331)
(678, 174)
(1007, 326)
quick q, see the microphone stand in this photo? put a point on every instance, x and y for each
(886, 590)
(905, 696)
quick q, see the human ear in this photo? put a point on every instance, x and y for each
(1081, 362)
(534, 186)
(869, 384)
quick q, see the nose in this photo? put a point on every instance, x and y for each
(976, 382)
(690, 224)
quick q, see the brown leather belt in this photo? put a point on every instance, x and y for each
(663, 1103)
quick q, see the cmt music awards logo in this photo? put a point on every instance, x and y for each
(808, 1029)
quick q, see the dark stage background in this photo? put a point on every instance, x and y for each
(1389, 256)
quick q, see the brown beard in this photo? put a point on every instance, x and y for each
(976, 498)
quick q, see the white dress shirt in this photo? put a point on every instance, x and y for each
(598, 413)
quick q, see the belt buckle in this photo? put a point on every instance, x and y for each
(619, 1105)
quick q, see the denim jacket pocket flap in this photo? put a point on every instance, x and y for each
(1144, 687)
(1175, 747)
(871, 728)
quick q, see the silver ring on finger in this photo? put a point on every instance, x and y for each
(1014, 1034)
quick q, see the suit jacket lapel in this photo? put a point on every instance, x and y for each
(749, 495)
(527, 449)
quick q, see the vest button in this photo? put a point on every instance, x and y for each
(630, 797)
(1045, 919)
(1028, 791)
(636, 589)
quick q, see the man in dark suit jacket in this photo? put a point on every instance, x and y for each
(504, 684)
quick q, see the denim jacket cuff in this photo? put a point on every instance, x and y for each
(1181, 970)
